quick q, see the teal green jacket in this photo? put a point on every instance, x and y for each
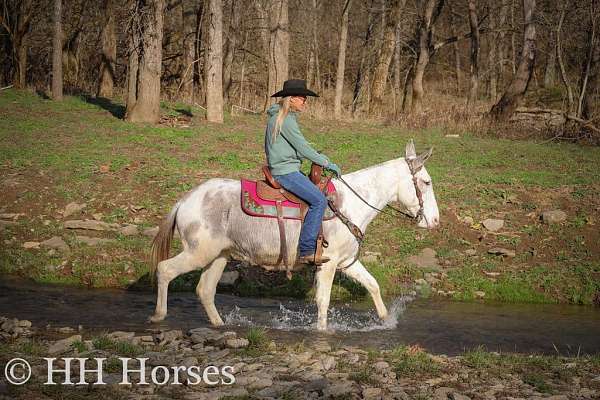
(285, 155)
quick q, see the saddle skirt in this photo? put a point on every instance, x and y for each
(264, 206)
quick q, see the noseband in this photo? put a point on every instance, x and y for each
(356, 231)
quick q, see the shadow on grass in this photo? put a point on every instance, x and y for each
(117, 110)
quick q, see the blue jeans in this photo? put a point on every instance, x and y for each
(301, 186)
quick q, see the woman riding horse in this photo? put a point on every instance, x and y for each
(285, 148)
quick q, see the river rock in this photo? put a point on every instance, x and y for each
(92, 225)
(321, 346)
(63, 345)
(426, 258)
(328, 363)
(237, 343)
(261, 383)
(493, 225)
(442, 393)
(31, 245)
(471, 252)
(129, 230)
(229, 277)
(338, 390)
(12, 216)
(500, 251)
(93, 241)
(381, 366)
(553, 217)
(458, 396)
(121, 335)
(72, 208)
(372, 394)
(480, 294)
(55, 242)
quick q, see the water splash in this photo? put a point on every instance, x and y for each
(293, 317)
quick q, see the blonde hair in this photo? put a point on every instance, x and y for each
(284, 108)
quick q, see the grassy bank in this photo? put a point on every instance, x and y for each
(52, 154)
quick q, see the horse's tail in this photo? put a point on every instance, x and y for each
(162, 241)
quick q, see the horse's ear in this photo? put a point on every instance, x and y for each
(425, 156)
(410, 150)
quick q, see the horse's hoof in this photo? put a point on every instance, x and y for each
(217, 323)
(154, 319)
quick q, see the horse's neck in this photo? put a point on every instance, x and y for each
(378, 185)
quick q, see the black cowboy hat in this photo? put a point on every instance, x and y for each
(295, 87)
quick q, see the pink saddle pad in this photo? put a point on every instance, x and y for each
(256, 206)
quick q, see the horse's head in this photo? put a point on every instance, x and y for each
(416, 193)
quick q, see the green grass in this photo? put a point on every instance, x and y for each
(407, 362)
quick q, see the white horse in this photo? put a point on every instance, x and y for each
(213, 229)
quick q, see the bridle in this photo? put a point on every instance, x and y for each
(356, 231)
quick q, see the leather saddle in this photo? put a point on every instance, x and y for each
(270, 189)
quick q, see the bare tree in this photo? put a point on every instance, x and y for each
(591, 49)
(590, 100)
(313, 75)
(147, 105)
(493, 53)
(57, 74)
(109, 52)
(429, 11)
(341, 64)
(474, 25)
(386, 52)
(188, 9)
(233, 32)
(358, 82)
(517, 88)
(279, 43)
(214, 66)
(456, 51)
(563, 73)
(16, 21)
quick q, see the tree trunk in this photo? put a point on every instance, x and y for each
(57, 74)
(147, 105)
(518, 87)
(17, 42)
(230, 45)
(341, 65)
(502, 46)
(513, 46)
(590, 100)
(313, 72)
(188, 9)
(381, 72)
(563, 73)
(363, 56)
(589, 59)
(492, 54)
(279, 43)
(473, 23)
(397, 71)
(214, 66)
(550, 70)
(428, 14)
(457, 70)
(109, 52)
(132, 78)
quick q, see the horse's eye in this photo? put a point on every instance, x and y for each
(427, 182)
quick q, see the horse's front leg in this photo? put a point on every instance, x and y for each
(359, 273)
(324, 277)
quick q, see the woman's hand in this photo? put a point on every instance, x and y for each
(335, 169)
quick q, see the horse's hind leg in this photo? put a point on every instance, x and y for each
(170, 269)
(207, 287)
(359, 273)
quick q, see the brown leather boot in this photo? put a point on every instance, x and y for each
(311, 259)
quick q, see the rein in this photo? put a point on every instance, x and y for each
(355, 230)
